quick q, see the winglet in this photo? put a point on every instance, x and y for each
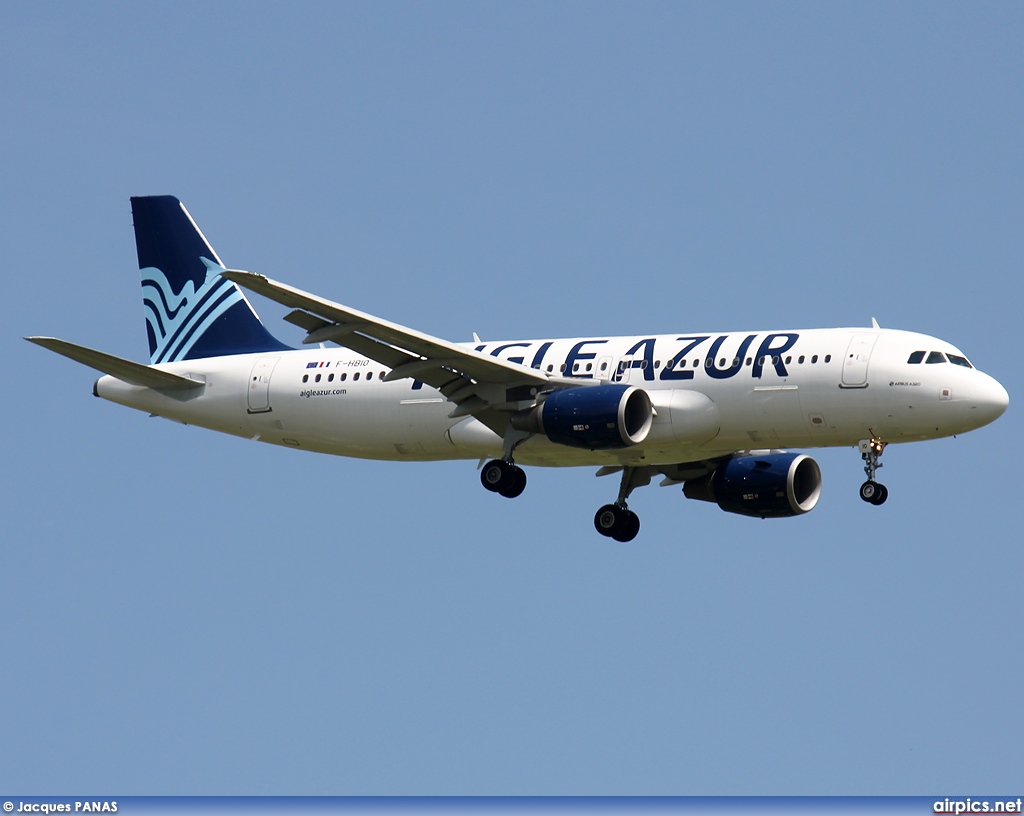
(874, 324)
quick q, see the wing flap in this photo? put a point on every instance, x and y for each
(125, 370)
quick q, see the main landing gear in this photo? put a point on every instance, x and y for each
(504, 477)
(617, 520)
(871, 491)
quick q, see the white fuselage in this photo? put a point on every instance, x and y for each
(713, 393)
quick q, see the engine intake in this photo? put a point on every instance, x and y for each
(775, 485)
(599, 417)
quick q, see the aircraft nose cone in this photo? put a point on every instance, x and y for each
(991, 399)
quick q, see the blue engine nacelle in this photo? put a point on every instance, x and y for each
(774, 485)
(599, 417)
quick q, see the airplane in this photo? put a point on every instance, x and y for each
(714, 412)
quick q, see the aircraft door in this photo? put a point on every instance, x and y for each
(855, 366)
(623, 369)
(259, 385)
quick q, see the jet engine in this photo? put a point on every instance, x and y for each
(599, 417)
(773, 485)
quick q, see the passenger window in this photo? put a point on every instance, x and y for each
(318, 378)
(828, 358)
(305, 378)
(960, 361)
(355, 376)
(814, 358)
(801, 359)
(344, 376)
(935, 357)
(915, 358)
(330, 378)
(369, 375)
(789, 360)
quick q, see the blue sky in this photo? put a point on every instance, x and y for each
(189, 613)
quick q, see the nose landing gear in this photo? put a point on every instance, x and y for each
(870, 451)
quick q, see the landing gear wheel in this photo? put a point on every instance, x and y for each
(617, 522)
(868, 490)
(629, 529)
(518, 483)
(873, 492)
(609, 520)
(498, 476)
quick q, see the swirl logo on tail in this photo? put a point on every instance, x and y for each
(177, 320)
(191, 311)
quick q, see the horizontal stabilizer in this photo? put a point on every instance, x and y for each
(126, 370)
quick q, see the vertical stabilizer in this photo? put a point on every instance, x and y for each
(191, 311)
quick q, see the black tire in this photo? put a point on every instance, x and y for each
(497, 476)
(881, 494)
(630, 528)
(609, 520)
(518, 484)
(869, 491)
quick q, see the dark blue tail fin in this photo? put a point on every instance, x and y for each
(191, 311)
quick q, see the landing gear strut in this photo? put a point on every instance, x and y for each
(617, 520)
(870, 451)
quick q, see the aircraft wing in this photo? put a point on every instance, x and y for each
(126, 370)
(478, 384)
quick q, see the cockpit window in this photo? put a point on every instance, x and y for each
(935, 357)
(960, 361)
(916, 357)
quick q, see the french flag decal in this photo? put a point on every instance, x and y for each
(318, 365)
